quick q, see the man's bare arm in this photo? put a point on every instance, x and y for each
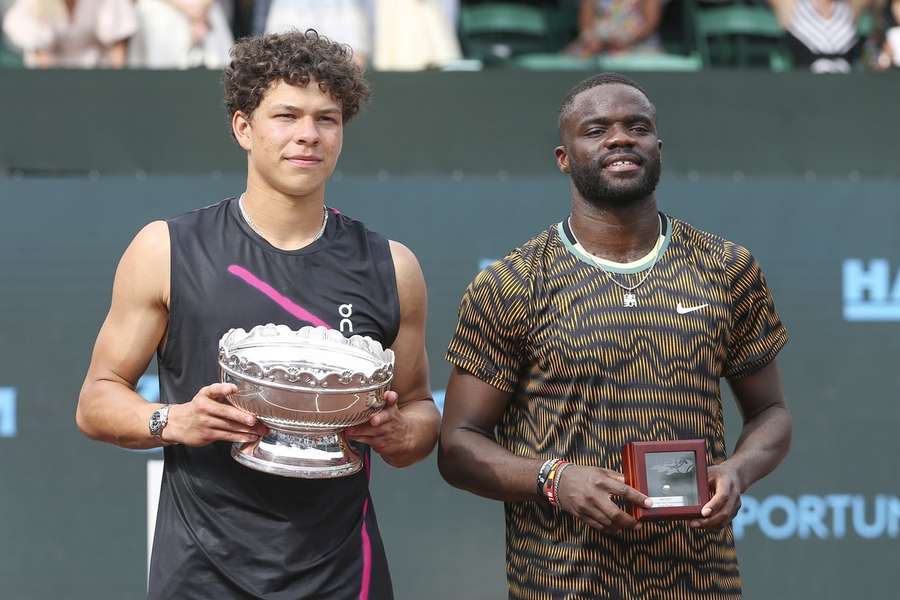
(766, 435)
(470, 458)
(108, 408)
(764, 442)
(405, 432)
(468, 455)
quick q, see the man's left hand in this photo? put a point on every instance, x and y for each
(725, 485)
(387, 432)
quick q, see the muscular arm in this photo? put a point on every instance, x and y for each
(763, 444)
(108, 407)
(766, 435)
(470, 458)
(406, 430)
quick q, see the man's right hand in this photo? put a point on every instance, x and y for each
(208, 417)
(586, 493)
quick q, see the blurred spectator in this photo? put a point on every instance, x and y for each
(451, 10)
(180, 34)
(71, 33)
(617, 27)
(4, 6)
(8, 55)
(821, 33)
(242, 18)
(412, 35)
(344, 21)
(890, 51)
(260, 15)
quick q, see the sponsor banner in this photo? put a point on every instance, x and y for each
(819, 517)
(871, 290)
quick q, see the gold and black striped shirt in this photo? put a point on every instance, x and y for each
(588, 374)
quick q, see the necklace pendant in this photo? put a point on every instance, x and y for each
(629, 300)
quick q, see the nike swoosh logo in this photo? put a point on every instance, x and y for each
(683, 310)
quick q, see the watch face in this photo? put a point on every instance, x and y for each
(156, 422)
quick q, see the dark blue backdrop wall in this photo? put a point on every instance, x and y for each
(819, 209)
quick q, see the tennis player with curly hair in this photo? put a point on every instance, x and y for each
(274, 254)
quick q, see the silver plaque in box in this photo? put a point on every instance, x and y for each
(306, 386)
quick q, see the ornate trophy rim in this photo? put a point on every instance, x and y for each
(291, 377)
(307, 386)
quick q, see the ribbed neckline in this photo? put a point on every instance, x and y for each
(574, 247)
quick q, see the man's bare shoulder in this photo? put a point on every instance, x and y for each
(404, 258)
(152, 239)
(410, 280)
(144, 268)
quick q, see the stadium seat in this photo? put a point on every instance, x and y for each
(8, 57)
(641, 61)
(625, 62)
(499, 31)
(555, 62)
(864, 24)
(501, 18)
(736, 34)
(562, 23)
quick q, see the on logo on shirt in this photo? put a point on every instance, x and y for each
(346, 311)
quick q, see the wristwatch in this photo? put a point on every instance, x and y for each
(158, 420)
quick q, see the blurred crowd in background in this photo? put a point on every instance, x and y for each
(824, 36)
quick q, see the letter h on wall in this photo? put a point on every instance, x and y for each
(868, 295)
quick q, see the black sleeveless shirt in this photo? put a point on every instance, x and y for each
(226, 531)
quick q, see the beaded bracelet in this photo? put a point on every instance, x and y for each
(552, 477)
(556, 480)
(543, 473)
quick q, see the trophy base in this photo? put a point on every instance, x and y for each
(301, 454)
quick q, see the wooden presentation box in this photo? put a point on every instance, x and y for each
(671, 473)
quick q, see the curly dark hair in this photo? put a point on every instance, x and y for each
(294, 57)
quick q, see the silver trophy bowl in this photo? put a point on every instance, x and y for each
(306, 386)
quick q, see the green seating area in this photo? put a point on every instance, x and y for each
(8, 57)
(497, 32)
(696, 34)
(626, 62)
(738, 36)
